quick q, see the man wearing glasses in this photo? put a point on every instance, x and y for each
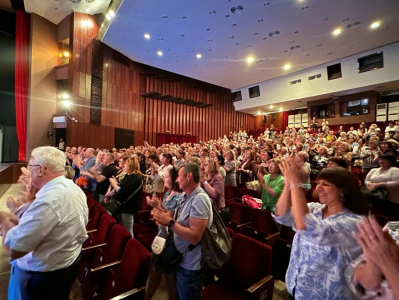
(44, 246)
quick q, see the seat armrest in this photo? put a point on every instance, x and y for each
(242, 225)
(129, 293)
(272, 236)
(90, 248)
(106, 266)
(263, 289)
(91, 231)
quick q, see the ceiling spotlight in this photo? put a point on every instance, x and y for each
(199, 55)
(66, 54)
(250, 59)
(65, 96)
(147, 36)
(111, 13)
(280, 109)
(337, 31)
(87, 9)
(160, 53)
(287, 67)
(375, 25)
(271, 106)
(66, 103)
(108, 17)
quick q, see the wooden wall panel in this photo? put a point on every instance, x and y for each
(123, 107)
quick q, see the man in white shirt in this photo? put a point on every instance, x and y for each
(45, 245)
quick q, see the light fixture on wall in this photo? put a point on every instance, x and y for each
(67, 104)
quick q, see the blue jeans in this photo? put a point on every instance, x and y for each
(127, 221)
(189, 283)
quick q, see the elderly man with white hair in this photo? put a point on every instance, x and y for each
(45, 244)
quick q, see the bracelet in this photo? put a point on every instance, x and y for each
(305, 186)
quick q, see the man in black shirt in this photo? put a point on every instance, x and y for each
(103, 177)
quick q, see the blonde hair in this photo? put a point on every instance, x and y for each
(213, 166)
(133, 165)
(231, 152)
(69, 172)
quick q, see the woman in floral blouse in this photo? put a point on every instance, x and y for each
(323, 245)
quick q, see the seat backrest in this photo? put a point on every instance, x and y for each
(143, 204)
(116, 243)
(240, 213)
(249, 192)
(249, 262)
(262, 220)
(281, 258)
(231, 192)
(135, 265)
(287, 233)
(231, 232)
(95, 219)
(104, 229)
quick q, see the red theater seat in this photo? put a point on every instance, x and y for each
(231, 192)
(94, 221)
(127, 278)
(247, 273)
(262, 227)
(249, 192)
(240, 216)
(103, 254)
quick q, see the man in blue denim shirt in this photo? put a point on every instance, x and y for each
(194, 214)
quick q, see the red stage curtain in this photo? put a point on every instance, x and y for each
(284, 122)
(22, 42)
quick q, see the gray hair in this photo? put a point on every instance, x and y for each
(50, 157)
(304, 154)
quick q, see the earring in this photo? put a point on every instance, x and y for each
(342, 198)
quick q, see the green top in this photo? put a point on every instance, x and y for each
(277, 184)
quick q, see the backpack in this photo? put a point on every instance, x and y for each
(215, 243)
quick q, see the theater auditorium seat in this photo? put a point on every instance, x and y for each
(246, 275)
(95, 220)
(240, 216)
(281, 258)
(262, 228)
(249, 192)
(103, 254)
(231, 192)
(126, 278)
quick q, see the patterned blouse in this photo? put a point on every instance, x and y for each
(383, 292)
(321, 253)
(171, 204)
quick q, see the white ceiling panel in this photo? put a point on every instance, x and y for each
(182, 29)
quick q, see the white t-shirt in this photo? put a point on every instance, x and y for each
(394, 128)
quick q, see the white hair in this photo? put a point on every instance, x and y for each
(50, 157)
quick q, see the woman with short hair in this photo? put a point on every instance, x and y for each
(230, 167)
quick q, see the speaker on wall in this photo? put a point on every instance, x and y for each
(264, 118)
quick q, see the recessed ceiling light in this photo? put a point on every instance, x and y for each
(266, 4)
(274, 33)
(287, 67)
(296, 32)
(191, 51)
(108, 17)
(147, 36)
(160, 53)
(208, 29)
(237, 9)
(325, 19)
(265, 38)
(164, 17)
(160, 39)
(212, 12)
(337, 31)
(209, 40)
(234, 24)
(280, 109)
(260, 20)
(292, 42)
(237, 44)
(375, 25)
(271, 106)
(210, 49)
(353, 25)
(111, 13)
(329, 53)
(65, 96)
(182, 35)
(305, 7)
(184, 17)
(250, 59)
(319, 45)
(199, 55)
(256, 33)
(346, 20)
(87, 9)
(248, 46)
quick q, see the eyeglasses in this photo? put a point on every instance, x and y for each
(28, 166)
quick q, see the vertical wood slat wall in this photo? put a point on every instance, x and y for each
(123, 107)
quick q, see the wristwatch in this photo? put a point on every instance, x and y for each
(205, 182)
(171, 223)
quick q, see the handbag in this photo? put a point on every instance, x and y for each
(147, 186)
(252, 185)
(115, 207)
(377, 195)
